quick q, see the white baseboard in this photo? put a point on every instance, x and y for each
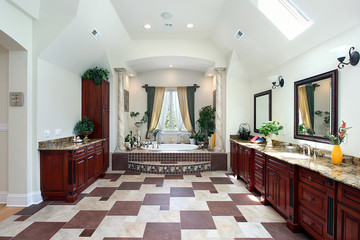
(23, 200)
(3, 197)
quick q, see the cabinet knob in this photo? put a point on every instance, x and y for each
(310, 223)
(310, 178)
(310, 199)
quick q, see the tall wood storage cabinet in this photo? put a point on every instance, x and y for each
(95, 106)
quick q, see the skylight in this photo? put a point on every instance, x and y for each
(285, 15)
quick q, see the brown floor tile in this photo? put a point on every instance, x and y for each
(40, 231)
(126, 208)
(161, 199)
(131, 173)
(182, 192)
(198, 174)
(279, 231)
(130, 186)
(240, 218)
(244, 199)
(204, 186)
(5, 238)
(104, 199)
(86, 219)
(22, 218)
(79, 198)
(223, 208)
(113, 176)
(174, 177)
(154, 180)
(221, 180)
(87, 233)
(162, 231)
(196, 220)
(102, 192)
(32, 209)
(164, 207)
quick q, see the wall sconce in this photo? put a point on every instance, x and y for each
(277, 82)
(354, 57)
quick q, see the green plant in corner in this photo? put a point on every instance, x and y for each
(96, 74)
(206, 120)
(270, 127)
(84, 125)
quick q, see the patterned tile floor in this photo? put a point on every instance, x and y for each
(210, 205)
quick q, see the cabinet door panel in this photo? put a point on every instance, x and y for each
(348, 223)
(91, 165)
(80, 172)
(271, 185)
(99, 162)
(283, 194)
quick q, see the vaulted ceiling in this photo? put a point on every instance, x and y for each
(62, 29)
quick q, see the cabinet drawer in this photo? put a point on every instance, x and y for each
(315, 226)
(98, 145)
(349, 196)
(259, 155)
(313, 199)
(315, 179)
(80, 152)
(90, 148)
(278, 165)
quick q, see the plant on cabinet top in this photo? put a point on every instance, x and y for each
(96, 74)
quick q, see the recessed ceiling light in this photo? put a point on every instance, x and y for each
(190, 25)
(147, 26)
(166, 15)
(171, 65)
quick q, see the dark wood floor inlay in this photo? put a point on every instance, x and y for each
(182, 192)
(86, 219)
(223, 208)
(196, 220)
(244, 199)
(130, 186)
(162, 231)
(126, 208)
(102, 192)
(40, 231)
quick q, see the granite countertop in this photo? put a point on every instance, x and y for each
(346, 173)
(65, 144)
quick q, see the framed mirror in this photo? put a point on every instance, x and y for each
(262, 109)
(316, 107)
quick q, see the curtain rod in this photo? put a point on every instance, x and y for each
(146, 87)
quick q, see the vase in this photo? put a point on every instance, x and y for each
(269, 141)
(336, 155)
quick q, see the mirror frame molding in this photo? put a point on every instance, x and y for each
(268, 92)
(333, 105)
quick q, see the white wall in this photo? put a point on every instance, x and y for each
(59, 100)
(4, 108)
(168, 78)
(317, 60)
(237, 97)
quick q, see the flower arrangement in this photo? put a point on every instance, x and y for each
(339, 138)
(270, 127)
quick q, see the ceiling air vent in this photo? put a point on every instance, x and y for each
(239, 34)
(95, 33)
(168, 25)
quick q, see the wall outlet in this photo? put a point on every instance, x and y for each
(47, 133)
(58, 132)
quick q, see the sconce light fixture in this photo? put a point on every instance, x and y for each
(278, 82)
(354, 57)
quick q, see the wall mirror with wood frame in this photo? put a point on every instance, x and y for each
(262, 109)
(316, 107)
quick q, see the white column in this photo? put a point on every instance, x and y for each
(219, 143)
(121, 74)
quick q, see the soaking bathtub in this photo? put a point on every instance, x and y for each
(171, 147)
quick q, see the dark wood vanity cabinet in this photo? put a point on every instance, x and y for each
(241, 163)
(316, 207)
(348, 212)
(95, 106)
(234, 153)
(65, 173)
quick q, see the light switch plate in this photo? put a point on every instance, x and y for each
(16, 99)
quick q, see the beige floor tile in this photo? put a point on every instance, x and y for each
(151, 188)
(54, 213)
(200, 234)
(176, 183)
(187, 203)
(205, 195)
(64, 233)
(127, 195)
(227, 227)
(93, 203)
(230, 188)
(113, 226)
(254, 230)
(259, 213)
(148, 214)
(169, 216)
(10, 228)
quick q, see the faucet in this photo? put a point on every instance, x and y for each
(303, 146)
(158, 139)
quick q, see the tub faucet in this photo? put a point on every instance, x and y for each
(303, 146)
(158, 140)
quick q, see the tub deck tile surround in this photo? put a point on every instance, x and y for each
(211, 205)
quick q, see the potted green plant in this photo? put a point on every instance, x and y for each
(84, 127)
(199, 138)
(268, 129)
(96, 74)
(206, 120)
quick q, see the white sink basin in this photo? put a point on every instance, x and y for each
(294, 155)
